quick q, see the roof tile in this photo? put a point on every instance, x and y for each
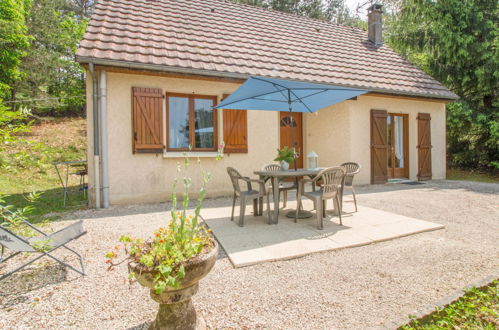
(229, 38)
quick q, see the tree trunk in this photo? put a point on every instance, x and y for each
(13, 92)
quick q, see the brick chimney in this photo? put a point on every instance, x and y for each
(375, 24)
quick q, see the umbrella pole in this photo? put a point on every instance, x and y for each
(298, 213)
(292, 129)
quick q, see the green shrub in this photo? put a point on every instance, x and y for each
(472, 136)
(477, 309)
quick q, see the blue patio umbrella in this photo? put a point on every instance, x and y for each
(259, 93)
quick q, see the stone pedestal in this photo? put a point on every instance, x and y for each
(181, 315)
(176, 311)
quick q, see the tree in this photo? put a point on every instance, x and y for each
(456, 41)
(13, 41)
(51, 72)
(81, 8)
(328, 10)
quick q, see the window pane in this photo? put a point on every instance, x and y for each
(178, 119)
(398, 122)
(389, 140)
(203, 117)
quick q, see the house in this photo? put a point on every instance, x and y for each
(155, 68)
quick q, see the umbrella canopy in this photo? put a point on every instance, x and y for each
(258, 93)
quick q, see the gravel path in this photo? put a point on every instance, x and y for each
(375, 286)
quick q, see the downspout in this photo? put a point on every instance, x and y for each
(95, 108)
(104, 158)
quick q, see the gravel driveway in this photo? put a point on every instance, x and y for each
(374, 286)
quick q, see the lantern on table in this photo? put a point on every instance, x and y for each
(312, 160)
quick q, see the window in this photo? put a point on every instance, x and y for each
(191, 121)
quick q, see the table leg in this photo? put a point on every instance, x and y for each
(62, 184)
(260, 200)
(66, 186)
(275, 187)
(299, 208)
(255, 207)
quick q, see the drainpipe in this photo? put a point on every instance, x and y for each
(104, 158)
(95, 108)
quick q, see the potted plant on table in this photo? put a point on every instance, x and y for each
(285, 157)
(173, 261)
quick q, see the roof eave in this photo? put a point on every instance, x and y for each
(233, 75)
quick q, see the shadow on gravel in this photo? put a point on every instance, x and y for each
(15, 289)
(142, 326)
(436, 185)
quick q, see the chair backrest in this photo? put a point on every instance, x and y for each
(67, 233)
(331, 180)
(234, 178)
(351, 168)
(272, 167)
(14, 242)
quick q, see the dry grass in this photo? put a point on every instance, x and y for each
(29, 163)
(61, 133)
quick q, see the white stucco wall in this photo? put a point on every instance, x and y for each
(338, 133)
(360, 123)
(342, 133)
(328, 134)
(137, 178)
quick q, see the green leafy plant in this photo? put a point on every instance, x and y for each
(285, 154)
(27, 154)
(14, 41)
(14, 220)
(477, 309)
(170, 247)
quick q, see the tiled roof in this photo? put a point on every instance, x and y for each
(223, 38)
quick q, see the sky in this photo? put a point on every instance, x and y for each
(352, 5)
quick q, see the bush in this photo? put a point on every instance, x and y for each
(477, 309)
(472, 136)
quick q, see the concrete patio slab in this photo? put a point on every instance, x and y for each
(259, 242)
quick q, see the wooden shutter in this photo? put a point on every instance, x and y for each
(379, 146)
(424, 146)
(147, 120)
(235, 130)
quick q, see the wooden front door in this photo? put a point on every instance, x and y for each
(398, 138)
(285, 134)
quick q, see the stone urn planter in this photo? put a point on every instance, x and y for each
(175, 305)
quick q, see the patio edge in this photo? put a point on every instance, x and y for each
(248, 264)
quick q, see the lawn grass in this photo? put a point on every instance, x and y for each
(477, 309)
(469, 175)
(28, 166)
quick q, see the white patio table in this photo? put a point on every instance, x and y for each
(276, 177)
